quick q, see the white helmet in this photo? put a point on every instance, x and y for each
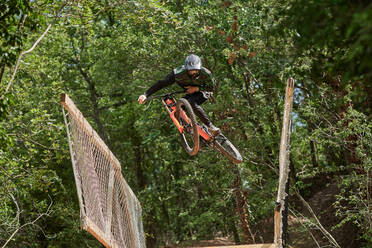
(193, 62)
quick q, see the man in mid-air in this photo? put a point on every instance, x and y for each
(198, 83)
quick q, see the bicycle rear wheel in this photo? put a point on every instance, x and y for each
(224, 145)
(190, 135)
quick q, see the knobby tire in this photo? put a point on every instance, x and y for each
(224, 145)
(194, 126)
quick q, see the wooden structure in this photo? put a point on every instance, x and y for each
(245, 246)
(281, 208)
(109, 210)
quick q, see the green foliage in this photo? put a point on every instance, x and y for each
(105, 54)
(353, 201)
(18, 19)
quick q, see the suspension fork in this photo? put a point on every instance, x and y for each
(171, 107)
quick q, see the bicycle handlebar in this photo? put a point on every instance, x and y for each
(164, 95)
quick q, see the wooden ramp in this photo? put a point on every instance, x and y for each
(243, 246)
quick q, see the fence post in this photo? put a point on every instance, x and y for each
(281, 206)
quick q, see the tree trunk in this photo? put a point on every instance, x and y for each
(235, 233)
(241, 207)
(94, 100)
(138, 152)
(2, 71)
(151, 230)
(314, 159)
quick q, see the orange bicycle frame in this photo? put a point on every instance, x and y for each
(170, 105)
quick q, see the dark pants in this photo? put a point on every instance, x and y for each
(195, 100)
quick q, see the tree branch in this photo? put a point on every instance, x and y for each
(319, 225)
(24, 137)
(301, 222)
(30, 50)
(46, 213)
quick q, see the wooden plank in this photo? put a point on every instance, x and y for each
(92, 228)
(98, 234)
(75, 113)
(243, 246)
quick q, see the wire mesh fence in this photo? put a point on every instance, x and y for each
(109, 210)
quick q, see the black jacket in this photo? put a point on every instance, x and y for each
(204, 81)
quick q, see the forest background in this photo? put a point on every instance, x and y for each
(104, 54)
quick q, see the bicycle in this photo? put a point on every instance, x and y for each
(192, 132)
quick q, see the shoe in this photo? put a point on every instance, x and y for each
(213, 130)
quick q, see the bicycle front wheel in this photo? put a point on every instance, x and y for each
(190, 135)
(224, 145)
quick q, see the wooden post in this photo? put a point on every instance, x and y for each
(281, 206)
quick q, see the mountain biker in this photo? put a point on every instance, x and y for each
(198, 83)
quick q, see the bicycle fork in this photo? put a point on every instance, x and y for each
(171, 108)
